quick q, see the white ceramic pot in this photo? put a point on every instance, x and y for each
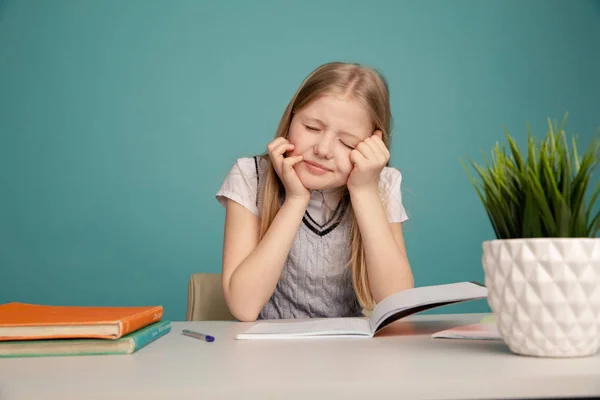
(545, 294)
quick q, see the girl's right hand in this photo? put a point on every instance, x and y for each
(284, 167)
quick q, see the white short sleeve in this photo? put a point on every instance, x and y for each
(241, 185)
(390, 183)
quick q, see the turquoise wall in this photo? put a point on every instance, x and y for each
(119, 120)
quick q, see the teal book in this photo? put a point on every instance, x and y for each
(127, 344)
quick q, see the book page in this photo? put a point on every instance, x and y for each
(422, 298)
(285, 329)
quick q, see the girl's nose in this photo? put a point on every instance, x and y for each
(323, 149)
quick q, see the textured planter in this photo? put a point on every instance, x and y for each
(545, 294)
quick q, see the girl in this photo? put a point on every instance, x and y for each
(313, 227)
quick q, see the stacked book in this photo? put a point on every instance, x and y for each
(34, 330)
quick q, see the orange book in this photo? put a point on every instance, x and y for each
(21, 321)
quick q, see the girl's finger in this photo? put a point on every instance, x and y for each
(356, 157)
(365, 150)
(372, 145)
(382, 147)
(289, 162)
(379, 153)
(282, 148)
(276, 143)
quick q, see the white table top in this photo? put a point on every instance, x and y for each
(402, 361)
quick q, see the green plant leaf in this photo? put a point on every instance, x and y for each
(542, 192)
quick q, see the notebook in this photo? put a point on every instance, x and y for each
(486, 329)
(22, 321)
(127, 344)
(390, 309)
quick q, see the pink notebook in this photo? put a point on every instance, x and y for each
(486, 329)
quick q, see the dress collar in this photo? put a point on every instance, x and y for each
(330, 197)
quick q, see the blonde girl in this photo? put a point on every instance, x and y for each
(313, 227)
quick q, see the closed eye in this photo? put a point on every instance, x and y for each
(347, 145)
(311, 128)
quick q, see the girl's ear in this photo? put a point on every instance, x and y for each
(378, 133)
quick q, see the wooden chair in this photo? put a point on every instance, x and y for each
(206, 301)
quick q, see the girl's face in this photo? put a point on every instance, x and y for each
(324, 133)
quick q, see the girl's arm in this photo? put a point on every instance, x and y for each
(251, 269)
(388, 268)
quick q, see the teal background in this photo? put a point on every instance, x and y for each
(120, 119)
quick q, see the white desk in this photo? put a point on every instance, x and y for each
(401, 362)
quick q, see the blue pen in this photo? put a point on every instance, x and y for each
(198, 335)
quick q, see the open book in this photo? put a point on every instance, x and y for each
(390, 309)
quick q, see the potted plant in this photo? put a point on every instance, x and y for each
(543, 268)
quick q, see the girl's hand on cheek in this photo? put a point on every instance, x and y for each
(284, 167)
(368, 160)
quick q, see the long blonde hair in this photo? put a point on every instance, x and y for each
(368, 86)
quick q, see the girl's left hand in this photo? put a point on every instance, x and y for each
(368, 158)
